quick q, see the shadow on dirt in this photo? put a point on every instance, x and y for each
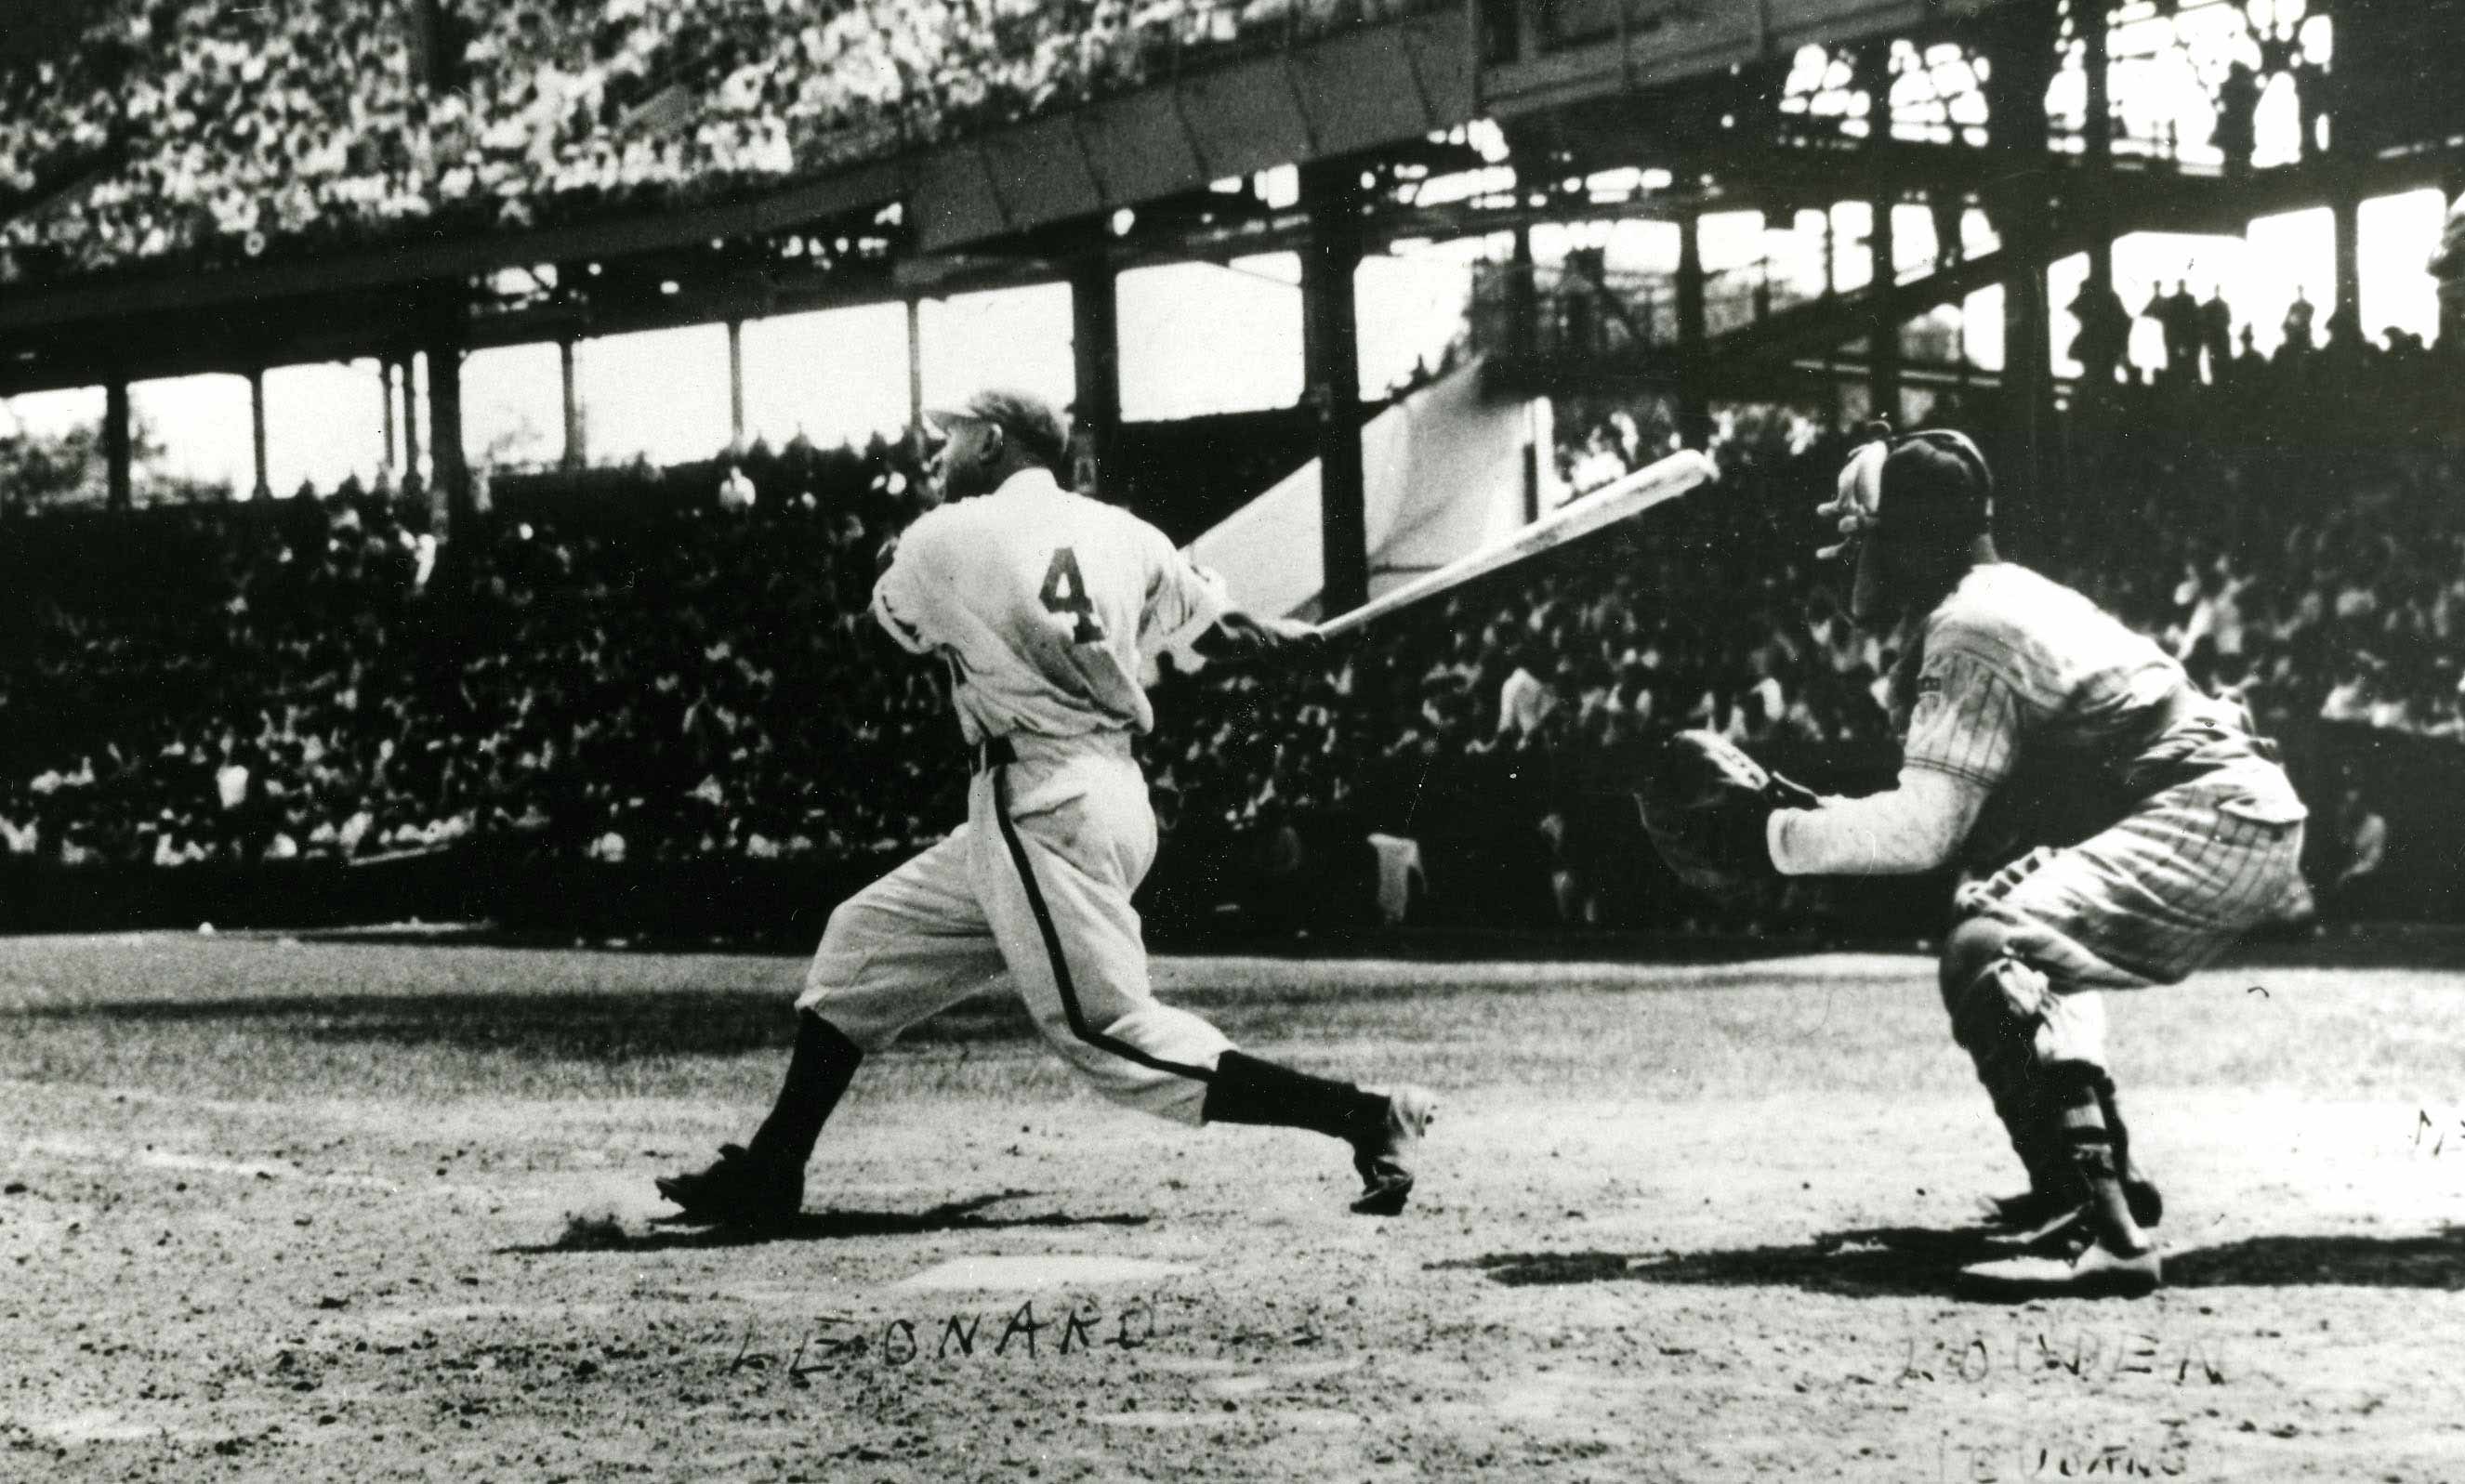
(1889, 1262)
(1910, 1261)
(2434, 1260)
(587, 1235)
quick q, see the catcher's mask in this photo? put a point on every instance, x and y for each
(1904, 497)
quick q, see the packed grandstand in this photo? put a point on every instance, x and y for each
(648, 674)
(291, 128)
(654, 672)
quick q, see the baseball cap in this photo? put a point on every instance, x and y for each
(1026, 419)
(1935, 484)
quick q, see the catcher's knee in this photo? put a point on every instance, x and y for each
(2007, 1012)
(1973, 948)
(1996, 1009)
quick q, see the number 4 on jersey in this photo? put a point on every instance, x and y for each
(1065, 592)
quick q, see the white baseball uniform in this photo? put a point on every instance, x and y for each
(1044, 604)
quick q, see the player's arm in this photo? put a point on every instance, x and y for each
(1187, 608)
(1912, 827)
(1239, 635)
(901, 597)
(1964, 734)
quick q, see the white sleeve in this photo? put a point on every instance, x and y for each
(901, 602)
(1908, 829)
(1183, 599)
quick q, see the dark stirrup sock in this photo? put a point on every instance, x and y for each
(1247, 1090)
(818, 1073)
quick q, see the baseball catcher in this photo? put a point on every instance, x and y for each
(2115, 827)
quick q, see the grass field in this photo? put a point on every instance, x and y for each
(357, 1211)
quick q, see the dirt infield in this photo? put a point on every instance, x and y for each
(328, 1210)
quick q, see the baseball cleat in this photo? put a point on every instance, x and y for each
(2025, 1210)
(740, 1190)
(2060, 1234)
(2033, 1210)
(2094, 1271)
(1384, 1159)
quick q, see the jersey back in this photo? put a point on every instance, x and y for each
(1046, 605)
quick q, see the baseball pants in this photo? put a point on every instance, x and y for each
(1036, 884)
(2146, 902)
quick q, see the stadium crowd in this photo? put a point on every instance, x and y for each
(194, 131)
(646, 665)
(307, 678)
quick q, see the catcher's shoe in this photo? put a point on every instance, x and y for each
(2033, 1209)
(740, 1190)
(2092, 1270)
(2023, 1210)
(1384, 1159)
(2060, 1234)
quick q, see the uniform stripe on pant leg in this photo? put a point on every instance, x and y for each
(1061, 980)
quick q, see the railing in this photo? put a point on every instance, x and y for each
(1585, 313)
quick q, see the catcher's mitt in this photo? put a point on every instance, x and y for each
(1705, 805)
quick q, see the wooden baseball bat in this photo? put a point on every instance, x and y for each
(1629, 495)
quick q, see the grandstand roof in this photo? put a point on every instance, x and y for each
(1374, 87)
(1006, 204)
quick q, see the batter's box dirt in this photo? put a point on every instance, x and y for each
(1678, 1224)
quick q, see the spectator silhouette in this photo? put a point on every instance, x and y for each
(2237, 117)
(2104, 332)
(2154, 311)
(2179, 317)
(2216, 335)
(2298, 316)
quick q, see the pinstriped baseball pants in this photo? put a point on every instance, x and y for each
(2148, 900)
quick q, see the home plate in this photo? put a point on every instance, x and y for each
(1040, 1270)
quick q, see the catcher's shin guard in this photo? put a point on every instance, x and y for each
(2020, 1106)
(2039, 1051)
(2095, 1158)
(2148, 1205)
(1994, 1017)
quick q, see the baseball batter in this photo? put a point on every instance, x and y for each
(1043, 603)
(2117, 827)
